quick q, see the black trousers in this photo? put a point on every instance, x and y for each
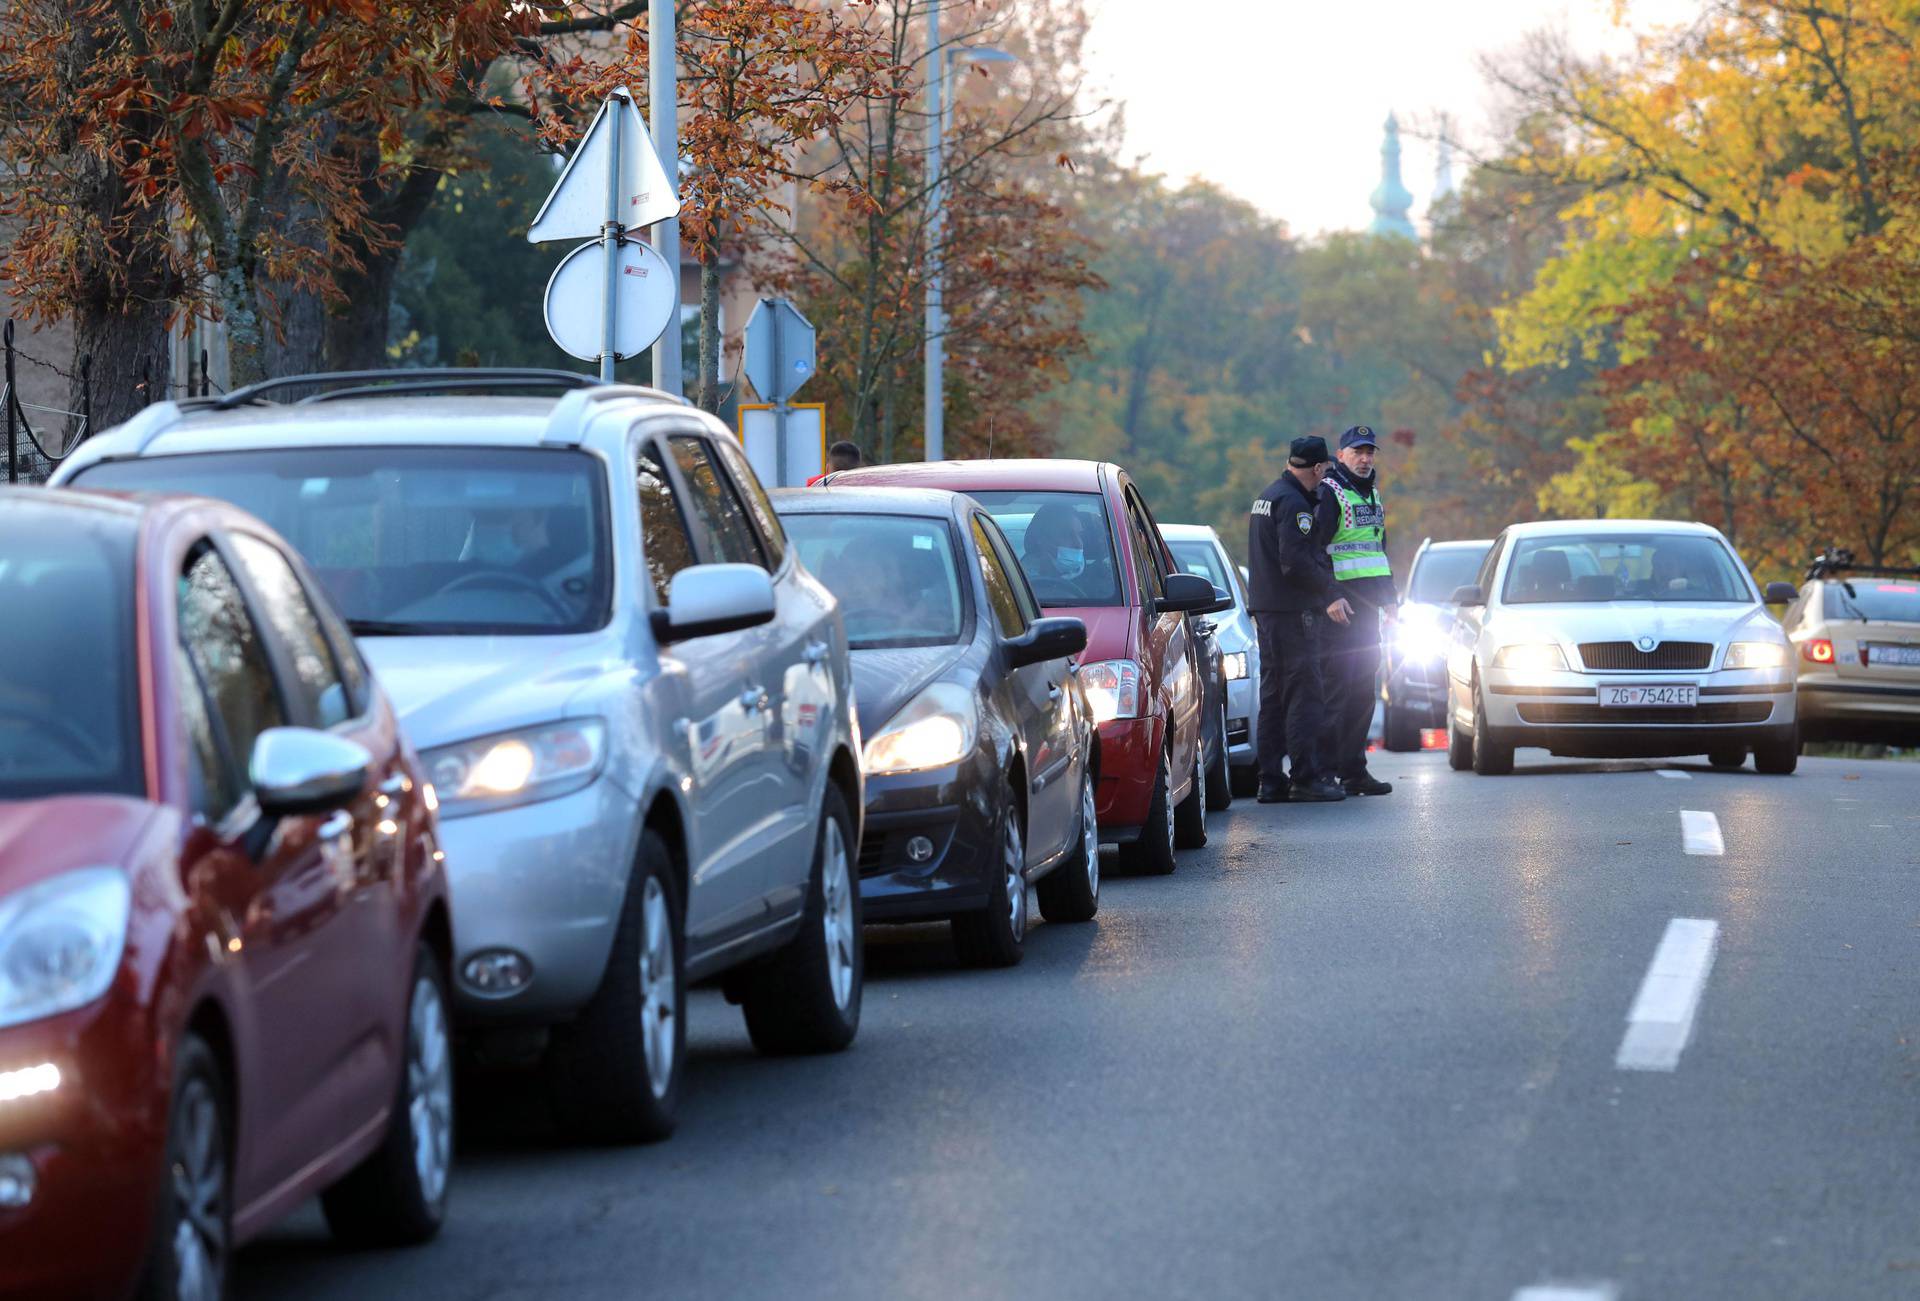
(1290, 694)
(1353, 683)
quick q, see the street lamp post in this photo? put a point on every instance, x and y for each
(663, 99)
(939, 92)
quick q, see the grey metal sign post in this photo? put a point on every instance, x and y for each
(780, 358)
(610, 249)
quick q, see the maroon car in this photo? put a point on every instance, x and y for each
(1092, 551)
(223, 917)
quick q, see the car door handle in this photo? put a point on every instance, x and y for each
(335, 827)
(816, 652)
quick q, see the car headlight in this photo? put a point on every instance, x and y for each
(1420, 640)
(1234, 665)
(934, 729)
(509, 768)
(1113, 689)
(60, 942)
(1530, 657)
(1755, 655)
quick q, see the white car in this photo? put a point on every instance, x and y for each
(1616, 639)
(1198, 550)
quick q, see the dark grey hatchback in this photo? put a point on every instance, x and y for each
(980, 749)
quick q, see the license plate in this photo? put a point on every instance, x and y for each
(1908, 655)
(1675, 697)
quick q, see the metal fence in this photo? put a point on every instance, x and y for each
(39, 437)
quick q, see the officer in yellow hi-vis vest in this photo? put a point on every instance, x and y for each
(1360, 572)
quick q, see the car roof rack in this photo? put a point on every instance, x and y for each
(1835, 559)
(332, 386)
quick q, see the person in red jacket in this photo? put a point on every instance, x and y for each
(841, 456)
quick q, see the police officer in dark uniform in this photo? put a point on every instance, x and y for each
(1292, 595)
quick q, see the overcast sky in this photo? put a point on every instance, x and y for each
(1282, 102)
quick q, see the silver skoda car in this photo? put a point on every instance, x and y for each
(632, 702)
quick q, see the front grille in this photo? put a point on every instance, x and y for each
(1625, 657)
(1566, 711)
(1237, 732)
(873, 852)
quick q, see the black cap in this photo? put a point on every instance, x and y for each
(1309, 451)
(1358, 436)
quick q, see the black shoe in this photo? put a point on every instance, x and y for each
(1368, 785)
(1317, 792)
(1272, 793)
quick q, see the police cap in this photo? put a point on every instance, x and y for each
(1358, 436)
(1308, 451)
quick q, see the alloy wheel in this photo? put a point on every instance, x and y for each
(199, 1178)
(658, 988)
(837, 914)
(1014, 863)
(1166, 800)
(1090, 835)
(430, 1089)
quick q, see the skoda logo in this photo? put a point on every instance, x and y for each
(1646, 644)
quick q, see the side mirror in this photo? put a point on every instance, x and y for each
(1046, 639)
(1186, 594)
(1222, 601)
(1469, 595)
(707, 600)
(298, 770)
(1782, 593)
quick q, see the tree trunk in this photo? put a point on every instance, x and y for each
(359, 320)
(709, 390)
(127, 344)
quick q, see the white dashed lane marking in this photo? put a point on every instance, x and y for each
(1661, 1020)
(1674, 773)
(1700, 833)
(1568, 1292)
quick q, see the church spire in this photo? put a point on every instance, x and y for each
(1391, 201)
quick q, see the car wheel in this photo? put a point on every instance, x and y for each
(193, 1233)
(1492, 755)
(1400, 730)
(1152, 853)
(1190, 818)
(806, 998)
(398, 1195)
(1071, 892)
(1219, 783)
(1459, 744)
(996, 936)
(613, 1074)
(1728, 756)
(1779, 756)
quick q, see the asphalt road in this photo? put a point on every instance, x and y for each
(1367, 1050)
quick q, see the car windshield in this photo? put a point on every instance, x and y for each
(1064, 543)
(1440, 573)
(68, 718)
(420, 541)
(1196, 556)
(1585, 569)
(1879, 600)
(894, 575)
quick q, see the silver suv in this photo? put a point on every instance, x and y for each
(632, 702)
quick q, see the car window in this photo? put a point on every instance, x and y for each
(69, 681)
(663, 525)
(1016, 577)
(721, 530)
(895, 576)
(228, 653)
(1006, 606)
(1153, 583)
(318, 696)
(1484, 579)
(1062, 541)
(773, 538)
(1882, 600)
(1198, 556)
(1440, 573)
(1591, 568)
(434, 540)
(213, 781)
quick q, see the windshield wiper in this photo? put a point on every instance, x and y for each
(393, 628)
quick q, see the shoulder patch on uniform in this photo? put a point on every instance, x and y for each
(1305, 520)
(1263, 507)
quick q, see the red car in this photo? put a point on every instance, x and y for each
(1092, 551)
(223, 916)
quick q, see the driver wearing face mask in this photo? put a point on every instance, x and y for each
(1053, 550)
(504, 538)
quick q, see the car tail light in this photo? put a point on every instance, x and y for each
(1818, 650)
(1433, 738)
